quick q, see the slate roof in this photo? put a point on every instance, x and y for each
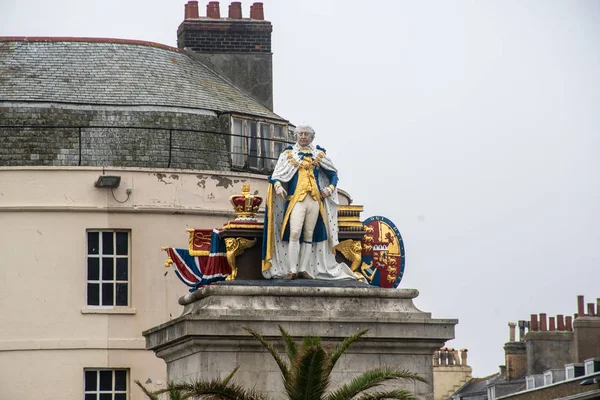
(115, 72)
(476, 388)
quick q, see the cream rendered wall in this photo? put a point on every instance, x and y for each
(47, 334)
(447, 379)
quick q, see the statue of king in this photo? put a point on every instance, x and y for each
(300, 228)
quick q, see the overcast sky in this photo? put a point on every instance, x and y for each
(473, 125)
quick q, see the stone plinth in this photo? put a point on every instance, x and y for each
(208, 341)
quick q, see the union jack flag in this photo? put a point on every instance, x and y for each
(199, 271)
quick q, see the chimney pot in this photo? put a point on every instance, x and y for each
(191, 9)
(213, 10)
(463, 356)
(552, 324)
(580, 306)
(591, 309)
(444, 356)
(235, 10)
(455, 357)
(543, 322)
(560, 322)
(511, 336)
(533, 326)
(257, 11)
(568, 323)
(522, 325)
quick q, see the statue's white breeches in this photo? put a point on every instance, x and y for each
(303, 219)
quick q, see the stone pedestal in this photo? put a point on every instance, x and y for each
(207, 341)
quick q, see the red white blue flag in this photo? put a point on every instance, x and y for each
(199, 271)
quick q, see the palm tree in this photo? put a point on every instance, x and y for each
(306, 375)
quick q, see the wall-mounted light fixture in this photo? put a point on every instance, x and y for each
(108, 181)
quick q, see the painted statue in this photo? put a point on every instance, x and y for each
(300, 227)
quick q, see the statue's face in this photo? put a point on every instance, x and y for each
(304, 138)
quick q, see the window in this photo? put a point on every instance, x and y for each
(256, 144)
(278, 143)
(237, 144)
(592, 366)
(491, 392)
(253, 138)
(108, 268)
(105, 384)
(534, 381)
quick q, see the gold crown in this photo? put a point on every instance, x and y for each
(245, 205)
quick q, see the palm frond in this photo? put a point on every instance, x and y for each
(309, 380)
(174, 393)
(228, 377)
(216, 389)
(172, 389)
(274, 353)
(289, 344)
(371, 379)
(310, 341)
(342, 347)
(177, 395)
(398, 394)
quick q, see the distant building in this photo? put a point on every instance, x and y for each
(111, 149)
(450, 372)
(558, 358)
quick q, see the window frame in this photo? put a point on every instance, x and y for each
(92, 308)
(285, 140)
(265, 152)
(97, 392)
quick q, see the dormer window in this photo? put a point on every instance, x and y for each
(256, 144)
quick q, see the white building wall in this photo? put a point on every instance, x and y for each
(48, 335)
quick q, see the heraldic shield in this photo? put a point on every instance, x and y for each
(382, 253)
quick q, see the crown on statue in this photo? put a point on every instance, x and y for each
(245, 205)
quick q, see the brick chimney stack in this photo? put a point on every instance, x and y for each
(586, 330)
(515, 356)
(237, 48)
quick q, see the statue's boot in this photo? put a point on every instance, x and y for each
(294, 254)
(305, 250)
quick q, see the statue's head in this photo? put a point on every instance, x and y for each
(304, 134)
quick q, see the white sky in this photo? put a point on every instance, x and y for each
(473, 125)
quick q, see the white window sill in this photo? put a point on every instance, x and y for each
(115, 310)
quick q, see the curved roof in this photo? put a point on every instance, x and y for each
(115, 72)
